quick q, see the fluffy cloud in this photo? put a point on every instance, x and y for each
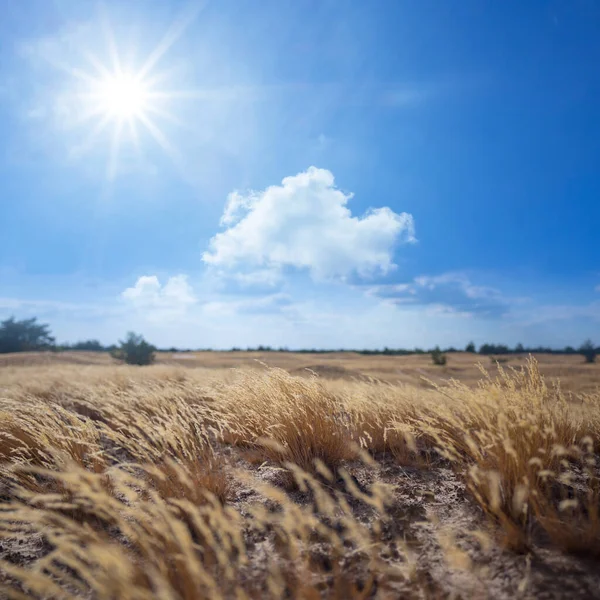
(305, 223)
(447, 293)
(172, 298)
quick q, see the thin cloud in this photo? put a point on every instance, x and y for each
(559, 312)
(446, 293)
(273, 304)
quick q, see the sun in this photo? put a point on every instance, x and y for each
(123, 96)
(127, 100)
(123, 102)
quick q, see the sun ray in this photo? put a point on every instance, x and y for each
(134, 136)
(165, 114)
(174, 32)
(87, 115)
(114, 152)
(156, 80)
(112, 44)
(179, 94)
(74, 72)
(158, 135)
(97, 64)
(162, 141)
(215, 93)
(86, 145)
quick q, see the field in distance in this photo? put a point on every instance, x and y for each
(573, 373)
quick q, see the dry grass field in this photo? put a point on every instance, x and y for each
(231, 475)
(574, 375)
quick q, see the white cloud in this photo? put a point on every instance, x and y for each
(258, 278)
(305, 223)
(235, 207)
(170, 299)
(460, 280)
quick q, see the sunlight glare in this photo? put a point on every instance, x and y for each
(129, 100)
(123, 96)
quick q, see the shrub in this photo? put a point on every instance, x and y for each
(89, 346)
(135, 350)
(438, 357)
(588, 351)
(495, 360)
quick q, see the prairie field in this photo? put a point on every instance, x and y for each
(283, 475)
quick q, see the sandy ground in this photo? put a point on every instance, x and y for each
(429, 507)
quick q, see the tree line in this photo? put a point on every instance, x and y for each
(29, 335)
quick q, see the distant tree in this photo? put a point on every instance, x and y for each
(25, 335)
(494, 349)
(88, 345)
(519, 348)
(588, 351)
(135, 350)
(470, 347)
(438, 357)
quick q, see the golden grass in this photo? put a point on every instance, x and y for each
(528, 453)
(137, 482)
(290, 419)
(575, 376)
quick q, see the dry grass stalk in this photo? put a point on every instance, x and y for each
(133, 483)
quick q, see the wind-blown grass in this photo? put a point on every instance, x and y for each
(135, 482)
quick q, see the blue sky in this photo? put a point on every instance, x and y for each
(304, 173)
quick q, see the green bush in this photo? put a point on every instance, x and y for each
(135, 350)
(438, 357)
(588, 351)
(499, 359)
